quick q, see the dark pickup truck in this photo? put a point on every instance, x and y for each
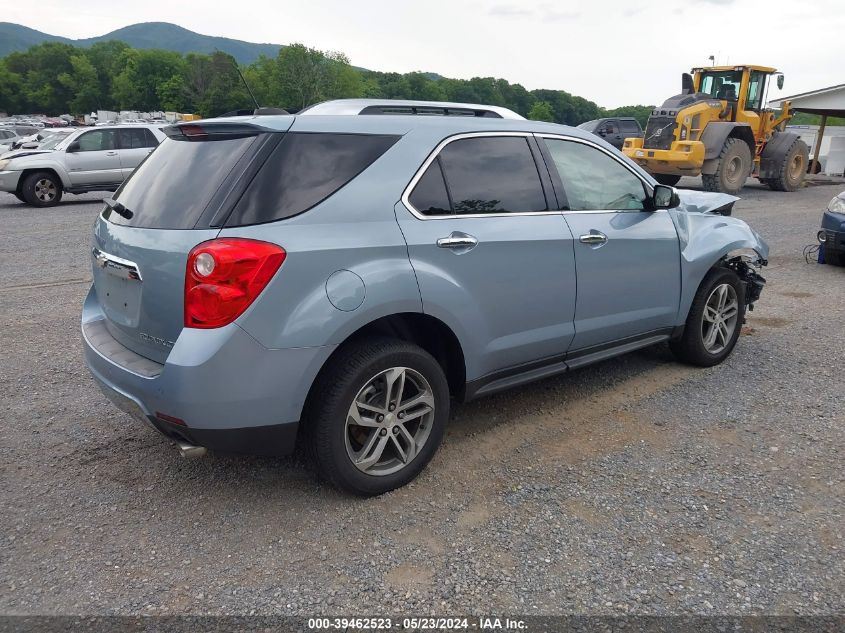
(614, 130)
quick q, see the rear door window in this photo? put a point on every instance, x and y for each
(136, 138)
(494, 174)
(305, 169)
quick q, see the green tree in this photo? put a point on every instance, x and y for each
(212, 84)
(541, 111)
(105, 57)
(83, 82)
(639, 112)
(142, 72)
(260, 75)
(38, 69)
(10, 89)
(305, 76)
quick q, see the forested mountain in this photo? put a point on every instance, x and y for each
(160, 35)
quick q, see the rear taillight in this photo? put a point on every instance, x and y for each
(224, 277)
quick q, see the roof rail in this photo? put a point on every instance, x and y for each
(405, 107)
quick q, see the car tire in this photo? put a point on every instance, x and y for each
(20, 197)
(667, 179)
(733, 168)
(367, 450)
(42, 189)
(704, 342)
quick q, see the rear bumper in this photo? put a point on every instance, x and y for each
(9, 181)
(684, 158)
(233, 394)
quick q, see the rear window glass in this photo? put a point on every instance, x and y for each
(629, 126)
(430, 196)
(172, 187)
(304, 170)
(136, 138)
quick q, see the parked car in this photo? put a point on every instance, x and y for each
(36, 140)
(84, 160)
(832, 233)
(341, 278)
(614, 130)
(9, 135)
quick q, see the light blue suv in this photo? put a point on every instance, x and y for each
(341, 275)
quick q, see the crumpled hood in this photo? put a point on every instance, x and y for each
(704, 201)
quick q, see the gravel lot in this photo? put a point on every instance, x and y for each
(635, 486)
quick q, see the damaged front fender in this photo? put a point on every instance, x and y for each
(707, 238)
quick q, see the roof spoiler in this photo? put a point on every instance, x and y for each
(255, 112)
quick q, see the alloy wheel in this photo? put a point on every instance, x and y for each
(721, 313)
(389, 421)
(45, 190)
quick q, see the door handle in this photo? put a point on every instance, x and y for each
(594, 239)
(111, 153)
(457, 240)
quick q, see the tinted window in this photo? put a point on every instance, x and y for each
(629, 126)
(492, 175)
(96, 141)
(592, 180)
(136, 138)
(304, 170)
(429, 195)
(172, 187)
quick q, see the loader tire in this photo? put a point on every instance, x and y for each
(733, 168)
(791, 171)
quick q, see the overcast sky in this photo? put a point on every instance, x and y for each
(613, 52)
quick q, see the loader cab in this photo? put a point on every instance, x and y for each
(746, 85)
(741, 87)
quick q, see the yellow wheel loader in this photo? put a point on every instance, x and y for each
(718, 128)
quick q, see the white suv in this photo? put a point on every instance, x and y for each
(87, 160)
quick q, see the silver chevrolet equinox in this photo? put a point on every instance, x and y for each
(338, 277)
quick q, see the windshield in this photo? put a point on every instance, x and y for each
(52, 141)
(723, 84)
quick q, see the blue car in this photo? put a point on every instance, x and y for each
(832, 233)
(341, 276)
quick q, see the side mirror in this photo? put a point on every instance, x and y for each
(665, 197)
(73, 147)
(686, 84)
(780, 82)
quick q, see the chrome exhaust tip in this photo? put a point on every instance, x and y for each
(189, 451)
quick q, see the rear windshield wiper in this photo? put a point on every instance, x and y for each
(118, 208)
